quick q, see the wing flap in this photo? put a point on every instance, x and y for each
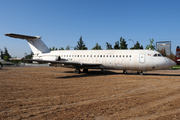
(65, 62)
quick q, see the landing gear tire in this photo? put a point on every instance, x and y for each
(141, 73)
(124, 72)
(85, 70)
(77, 71)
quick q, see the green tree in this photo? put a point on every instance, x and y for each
(116, 46)
(123, 44)
(28, 56)
(81, 45)
(61, 48)
(137, 46)
(97, 47)
(151, 45)
(6, 56)
(108, 46)
(50, 49)
(53, 48)
(67, 47)
(2, 55)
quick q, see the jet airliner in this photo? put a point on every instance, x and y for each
(138, 60)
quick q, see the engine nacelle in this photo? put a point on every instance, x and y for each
(51, 58)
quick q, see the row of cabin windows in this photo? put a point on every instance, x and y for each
(95, 55)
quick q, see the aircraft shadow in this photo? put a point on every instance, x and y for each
(105, 73)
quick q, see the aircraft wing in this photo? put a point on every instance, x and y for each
(66, 63)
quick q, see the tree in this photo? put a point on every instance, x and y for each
(2, 55)
(53, 48)
(123, 44)
(116, 46)
(50, 49)
(108, 46)
(67, 47)
(137, 46)
(81, 45)
(151, 45)
(28, 56)
(162, 51)
(61, 48)
(171, 56)
(6, 56)
(97, 47)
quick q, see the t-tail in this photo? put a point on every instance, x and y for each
(36, 44)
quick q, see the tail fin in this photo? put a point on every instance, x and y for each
(36, 44)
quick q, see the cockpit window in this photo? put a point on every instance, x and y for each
(155, 55)
(159, 55)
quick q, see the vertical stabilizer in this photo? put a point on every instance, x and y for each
(36, 44)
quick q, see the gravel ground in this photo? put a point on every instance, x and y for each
(58, 93)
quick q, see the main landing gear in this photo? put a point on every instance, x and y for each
(140, 73)
(124, 71)
(77, 71)
(85, 70)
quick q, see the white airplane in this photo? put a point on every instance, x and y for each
(138, 60)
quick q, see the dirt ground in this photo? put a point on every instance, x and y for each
(58, 93)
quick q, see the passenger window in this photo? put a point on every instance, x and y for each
(116, 55)
(100, 55)
(69, 55)
(123, 55)
(72, 55)
(106, 55)
(130, 56)
(119, 55)
(109, 55)
(77, 55)
(91, 56)
(64, 55)
(113, 55)
(94, 55)
(126, 55)
(80, 55)
(87, 55)
(97, 55)
(61, 55)
(84, 56)
(103, 55)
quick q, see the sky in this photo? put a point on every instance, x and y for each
(62, 22)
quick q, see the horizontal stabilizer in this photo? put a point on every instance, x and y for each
(22, 36)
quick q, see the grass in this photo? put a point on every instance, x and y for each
(176, 67)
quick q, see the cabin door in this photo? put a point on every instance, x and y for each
(142, 58)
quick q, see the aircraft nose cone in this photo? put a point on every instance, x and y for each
(171, 63)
